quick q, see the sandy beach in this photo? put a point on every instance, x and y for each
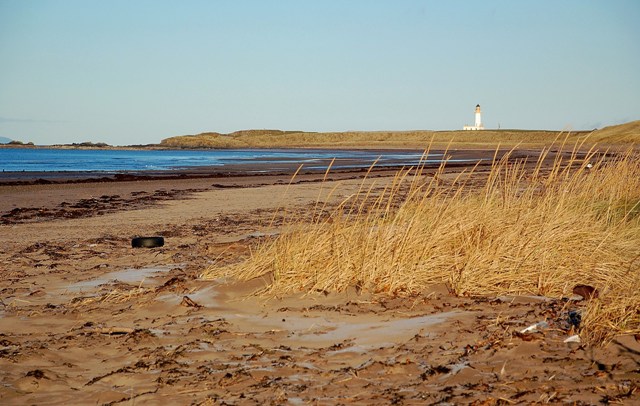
(86, 319)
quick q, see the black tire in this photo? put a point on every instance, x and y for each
(147, 242)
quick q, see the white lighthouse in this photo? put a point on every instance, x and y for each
(478, 122)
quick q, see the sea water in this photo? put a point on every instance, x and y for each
(115, 161)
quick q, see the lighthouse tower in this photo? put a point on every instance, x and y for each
(478, 122)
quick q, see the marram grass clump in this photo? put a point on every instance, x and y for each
(533, 230)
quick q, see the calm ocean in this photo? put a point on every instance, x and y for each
(37, 160)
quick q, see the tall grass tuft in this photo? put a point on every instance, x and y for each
(530, 230)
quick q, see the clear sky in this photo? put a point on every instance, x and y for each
(131, 72)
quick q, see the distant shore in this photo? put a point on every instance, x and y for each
(615, 136)
(267, 139)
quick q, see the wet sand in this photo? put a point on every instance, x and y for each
(86, 319)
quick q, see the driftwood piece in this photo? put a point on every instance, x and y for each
(188, 302)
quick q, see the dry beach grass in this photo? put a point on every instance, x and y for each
(529, 230)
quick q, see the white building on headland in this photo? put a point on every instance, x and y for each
(478, 125)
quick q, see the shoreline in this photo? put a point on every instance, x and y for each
(46, 196)
(251, 169)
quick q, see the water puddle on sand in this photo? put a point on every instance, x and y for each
(358, 334)
(318, 332)
(379, 333)
(140, 276)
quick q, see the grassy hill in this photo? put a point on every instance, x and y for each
(627, 133)
(623, 134)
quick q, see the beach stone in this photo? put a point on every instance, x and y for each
(586, 291)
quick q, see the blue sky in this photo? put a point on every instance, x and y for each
(135, 72)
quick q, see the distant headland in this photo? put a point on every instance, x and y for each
(622, 134)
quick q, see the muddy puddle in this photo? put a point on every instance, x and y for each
(380, 333)
(135, 276)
